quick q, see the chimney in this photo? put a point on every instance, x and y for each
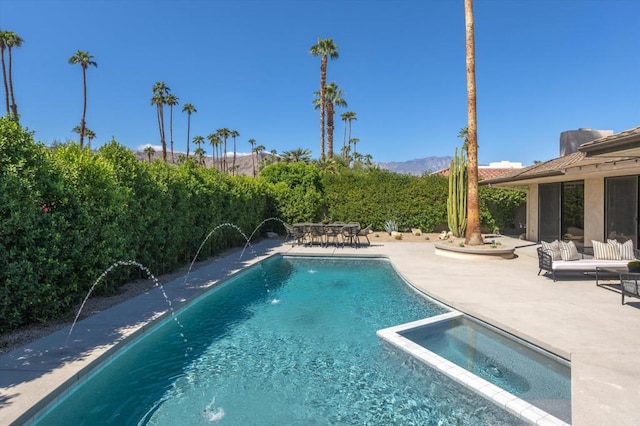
(572, 139)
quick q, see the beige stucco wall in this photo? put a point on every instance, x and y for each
(593, 210)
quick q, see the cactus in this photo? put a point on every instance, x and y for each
(457, 200)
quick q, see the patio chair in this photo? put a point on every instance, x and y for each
(350, 234)
(317, 233)
(364, 233)
(294, 233)
(332, 233)
(630, 285)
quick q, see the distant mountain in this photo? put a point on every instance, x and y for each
(418, 166)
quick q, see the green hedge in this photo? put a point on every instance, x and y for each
(67, 214)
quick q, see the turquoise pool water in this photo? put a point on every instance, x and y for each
(291, 341)
(522, 370)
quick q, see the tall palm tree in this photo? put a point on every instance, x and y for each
(354, 142)
(214, 140)
(325, 48)
(333, 98)
(4, 41)
(171, 100)
(159, 99)
(234, 135)
(11, 40)
(85, 60)
(224, 133)
(149, 151)
(259, 150)
(473, 235)
(351, 116)
(253, 161)
(90, 136)
(189, 109)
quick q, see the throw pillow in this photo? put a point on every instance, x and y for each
(569, 251)
(605, 251)
(553, 249)
(626, 250)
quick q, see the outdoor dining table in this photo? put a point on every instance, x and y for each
(321, 232)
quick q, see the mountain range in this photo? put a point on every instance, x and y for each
(418, 166)
(411, 167)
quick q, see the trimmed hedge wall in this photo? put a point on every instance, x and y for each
(67, 214)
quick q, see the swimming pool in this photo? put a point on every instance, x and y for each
(288, 341)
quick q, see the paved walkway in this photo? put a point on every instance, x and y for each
(571, 317)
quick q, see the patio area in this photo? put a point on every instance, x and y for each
(572, 318)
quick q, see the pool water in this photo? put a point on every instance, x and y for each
(291, 341)
(526, 372)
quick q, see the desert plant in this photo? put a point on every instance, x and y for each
(390, 226)
(457, 200)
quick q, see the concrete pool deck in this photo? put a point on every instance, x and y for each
(572, 318)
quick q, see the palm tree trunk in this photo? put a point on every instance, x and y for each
(162, 138)
(330, 114)
(84, 105)
(233, 168)
(473, 235)
(14, 107)
(6, 85)
(188, 131)
(171, 129)
(323, 83)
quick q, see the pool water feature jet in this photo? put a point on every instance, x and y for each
(256, 230)
(222, 225)
(105, 273)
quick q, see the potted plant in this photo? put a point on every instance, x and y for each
(634, 266)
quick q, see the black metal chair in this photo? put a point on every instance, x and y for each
(630, 285)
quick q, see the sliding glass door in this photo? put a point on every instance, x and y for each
(561, 211)
(621, 208)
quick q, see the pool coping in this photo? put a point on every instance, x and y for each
(500, 397)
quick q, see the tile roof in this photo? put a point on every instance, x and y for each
(627, 134)
(484, 172)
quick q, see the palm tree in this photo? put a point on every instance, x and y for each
(85, 60)
(90, 135)
(149, 151)
(473, 235)
(259, 150)
(234, 135)
(333, 98)
(325, 48)
(189, 109)
(351, 116)
(4, 41)
(253, 161)
(213, 140)
(297, 155)
(171, 100)
(160, 92)
(199, 152)
(224, 133)
(354, 141)
(9, 40)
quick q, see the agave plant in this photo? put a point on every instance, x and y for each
(390, 226)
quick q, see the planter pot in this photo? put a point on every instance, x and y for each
(634, 268)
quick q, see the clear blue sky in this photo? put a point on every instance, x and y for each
(543, 67)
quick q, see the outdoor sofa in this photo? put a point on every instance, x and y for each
(561, 256)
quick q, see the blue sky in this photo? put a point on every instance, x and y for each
(543, 67)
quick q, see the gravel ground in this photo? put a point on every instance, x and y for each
(27, 334)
